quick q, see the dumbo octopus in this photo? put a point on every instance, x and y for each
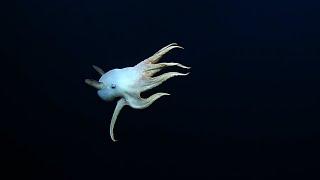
(127, 83)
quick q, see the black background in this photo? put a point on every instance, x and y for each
(248, 110)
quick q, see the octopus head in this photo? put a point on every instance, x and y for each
(110, 88)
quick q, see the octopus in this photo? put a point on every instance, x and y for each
(128, 83)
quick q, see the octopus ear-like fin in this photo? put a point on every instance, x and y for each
(99, 70)
(94, 83)
(120, 104)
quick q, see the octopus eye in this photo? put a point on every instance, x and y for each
(113, 86)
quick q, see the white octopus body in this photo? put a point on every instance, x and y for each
(127, 83)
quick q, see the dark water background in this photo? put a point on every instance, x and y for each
(250, 109)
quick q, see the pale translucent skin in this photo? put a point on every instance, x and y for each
(127, 83)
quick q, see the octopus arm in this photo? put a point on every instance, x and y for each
(120, 104)
(137, 102)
